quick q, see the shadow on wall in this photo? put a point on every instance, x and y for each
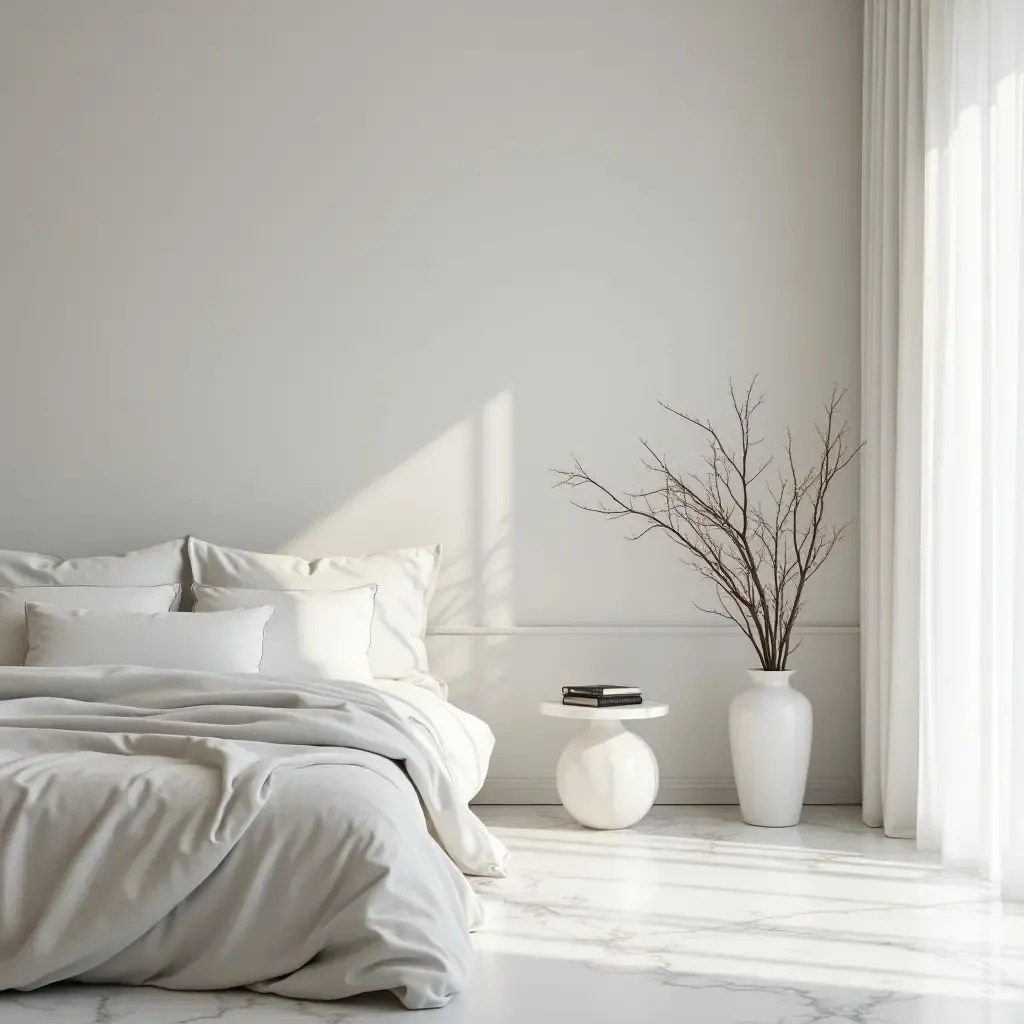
(458, 490)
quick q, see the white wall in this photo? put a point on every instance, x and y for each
(316, 275)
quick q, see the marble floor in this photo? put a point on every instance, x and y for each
(691, 916)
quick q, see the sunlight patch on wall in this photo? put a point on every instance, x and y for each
(457, 489)
(495, 495)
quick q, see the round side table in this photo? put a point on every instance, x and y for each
(607, 776)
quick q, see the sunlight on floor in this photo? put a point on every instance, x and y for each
(693, 891)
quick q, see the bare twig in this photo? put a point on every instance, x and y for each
(758, 561)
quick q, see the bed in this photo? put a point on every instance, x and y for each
(199, 830)
(224, 768)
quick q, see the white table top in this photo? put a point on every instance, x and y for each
(649, 709)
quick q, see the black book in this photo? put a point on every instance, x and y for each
(602, 702)
(602, 691)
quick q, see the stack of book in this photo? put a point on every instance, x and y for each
(601, 696)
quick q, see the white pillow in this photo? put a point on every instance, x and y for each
(149, 567)
(326, 635)
(219, 642)
(405, 582)
(13, 642)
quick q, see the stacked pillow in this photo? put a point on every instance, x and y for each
(13, 602)
(350, 618)
(145, 581)
(404, 582)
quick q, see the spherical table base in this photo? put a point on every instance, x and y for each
(607, 776)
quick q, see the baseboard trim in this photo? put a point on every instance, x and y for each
(671, 791)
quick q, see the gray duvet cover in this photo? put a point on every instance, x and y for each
(201, 831)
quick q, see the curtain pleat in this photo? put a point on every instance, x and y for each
(892, 275)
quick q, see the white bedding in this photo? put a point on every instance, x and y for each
(463, 741)
(193, 830)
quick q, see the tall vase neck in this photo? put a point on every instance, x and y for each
(770, 679)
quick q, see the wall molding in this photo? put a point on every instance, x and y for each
(825, 790)
(630, 629)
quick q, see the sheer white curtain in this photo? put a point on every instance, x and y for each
(972, 527)
(892, 274)
(944, 492)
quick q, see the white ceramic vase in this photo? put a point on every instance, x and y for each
(770, 727)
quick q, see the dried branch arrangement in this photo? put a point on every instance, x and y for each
(758, 537)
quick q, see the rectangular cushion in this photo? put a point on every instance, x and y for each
(217, 642)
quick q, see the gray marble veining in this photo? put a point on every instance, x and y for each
(689, 916)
